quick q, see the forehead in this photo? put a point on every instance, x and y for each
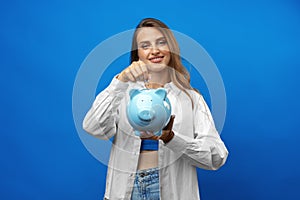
(148, 34)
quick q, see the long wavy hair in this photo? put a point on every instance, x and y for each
(178, 73)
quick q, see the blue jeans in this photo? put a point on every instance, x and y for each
(146, 185)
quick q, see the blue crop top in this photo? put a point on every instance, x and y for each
(151, 145)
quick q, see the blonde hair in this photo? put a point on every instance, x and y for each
(178, 73)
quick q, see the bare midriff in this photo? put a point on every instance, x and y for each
(148, 159)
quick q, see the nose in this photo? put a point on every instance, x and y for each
(146, 115)
(155, 50)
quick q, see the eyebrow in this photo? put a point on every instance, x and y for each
(156, 40)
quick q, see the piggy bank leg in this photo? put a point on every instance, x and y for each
(158, 133)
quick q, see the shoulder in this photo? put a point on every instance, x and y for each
(196, 96)
(198, 100)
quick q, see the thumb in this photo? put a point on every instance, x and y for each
(170, 124)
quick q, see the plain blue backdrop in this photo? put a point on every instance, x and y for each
(255, 45)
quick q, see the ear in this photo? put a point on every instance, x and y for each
(161, 92)
(133, 93)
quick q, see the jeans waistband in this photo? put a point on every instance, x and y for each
(148, 174)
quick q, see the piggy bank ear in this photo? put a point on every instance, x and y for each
(133, 93)
(161, 92)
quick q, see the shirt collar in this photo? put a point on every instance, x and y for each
(172, 87)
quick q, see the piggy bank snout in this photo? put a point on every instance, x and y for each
(146, 115)
(148, 110)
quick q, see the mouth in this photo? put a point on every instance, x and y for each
(156, 59)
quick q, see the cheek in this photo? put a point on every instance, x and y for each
(166, 53)
(142, 54)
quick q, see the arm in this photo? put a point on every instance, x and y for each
(206, 150)
(102, 118)
(100, 121)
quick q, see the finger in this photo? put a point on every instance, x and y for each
(144, 70)
(153, 137)
(148, 135)
(170, 123)
(135, 71)
(139, 72)
(129, 75)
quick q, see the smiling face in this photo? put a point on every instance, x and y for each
(153, 49)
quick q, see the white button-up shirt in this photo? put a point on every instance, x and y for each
(196, 142)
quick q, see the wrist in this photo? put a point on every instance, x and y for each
(167, 137)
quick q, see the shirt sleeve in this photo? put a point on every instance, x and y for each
(206, 150)
(100, 121)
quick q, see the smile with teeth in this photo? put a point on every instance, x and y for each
(156, 59)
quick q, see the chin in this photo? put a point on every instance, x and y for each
(158, 67)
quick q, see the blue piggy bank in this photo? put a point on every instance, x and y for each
(148, 110)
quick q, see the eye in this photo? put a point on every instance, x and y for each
(145, 46)
(162, 42)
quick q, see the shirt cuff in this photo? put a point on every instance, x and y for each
(177, 143)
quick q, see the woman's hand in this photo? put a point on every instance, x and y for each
(137, 71)
(166, 136)
(145, 135)
(167, 133)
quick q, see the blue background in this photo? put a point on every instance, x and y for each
(255, 45)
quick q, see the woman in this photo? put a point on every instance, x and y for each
(148, 166)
